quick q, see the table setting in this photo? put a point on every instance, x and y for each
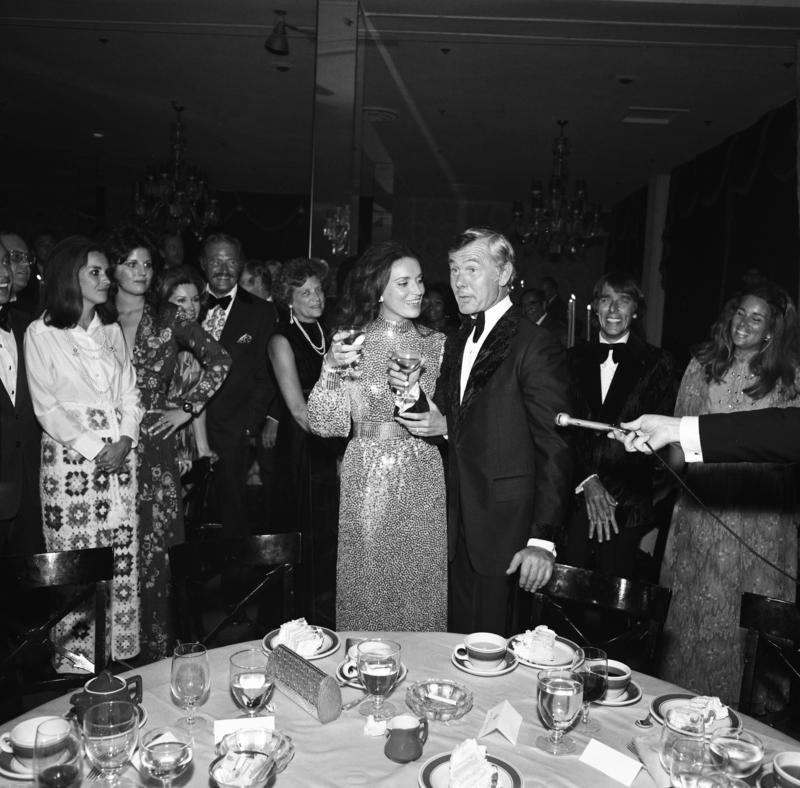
(440, 704)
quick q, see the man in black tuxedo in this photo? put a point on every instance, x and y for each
(612, 379)
(242, 324)
(20, 505)
(502, 382)
(556, 307)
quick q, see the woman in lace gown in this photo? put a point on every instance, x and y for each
(392, 557)
(749, 362)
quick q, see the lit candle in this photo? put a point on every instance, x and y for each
(571, 321)
(588, 322)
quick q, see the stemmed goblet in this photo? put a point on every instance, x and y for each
(408, 361)
(57, 755)
(679, 724)
(696, 763)
(353, 333)
(110, 731)
(166, 752)
(190, 681)
(252, 679)
(594, 667)
(378, 667)
(559, 698)
(745, 750)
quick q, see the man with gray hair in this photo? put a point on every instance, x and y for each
(502, 382)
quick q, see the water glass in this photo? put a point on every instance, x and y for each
(679, 724)
(57, 755)
(559, 698)
(111, 732)
(378, 663)
(190, 681)
(745, 751)
(694, 763)
(166, 752)
(252, 679)
(593, 665)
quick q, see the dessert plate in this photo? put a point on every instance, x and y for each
(330, 643)
(464, 664)
(435, 773)
(10, 767)
(355, 681)
(633, 694)
(661, 704)
(564, 652)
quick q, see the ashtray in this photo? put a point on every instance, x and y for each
(270, 751)
(439, 699)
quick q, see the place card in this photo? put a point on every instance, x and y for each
(224, 727)
(614, 764)
(503, 718)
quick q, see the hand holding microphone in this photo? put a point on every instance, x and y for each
(565, 420)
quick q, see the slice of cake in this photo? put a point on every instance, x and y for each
(300, 637)
(469, 767)
(536, 645)
(709, 706)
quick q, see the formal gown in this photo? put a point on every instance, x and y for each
(706, 568)
(163, 331)
(392, 557)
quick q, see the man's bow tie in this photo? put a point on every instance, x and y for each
(5, 313)
(222, 302)
(617, 351)
(479, 321)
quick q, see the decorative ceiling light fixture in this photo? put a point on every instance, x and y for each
(175, 196)
(337, 228)
(557, 224)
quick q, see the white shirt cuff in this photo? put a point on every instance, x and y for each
(690, 439)
(544, 544)
(579, 488)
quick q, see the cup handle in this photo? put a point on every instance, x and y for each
(423, 731)
(350, 670)
(134, 685)
(5, 743)
(461, 651)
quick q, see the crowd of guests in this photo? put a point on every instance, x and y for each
(409, 429)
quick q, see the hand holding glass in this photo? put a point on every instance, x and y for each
(593, 665)
(110, 731)
(57, 755)
(378, 667)
(251, 679)
(351, 335)
(166, 752)
(560, 696)
(190, 681)
(409, 362)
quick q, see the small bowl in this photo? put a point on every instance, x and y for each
(457, 699)
(272, 743)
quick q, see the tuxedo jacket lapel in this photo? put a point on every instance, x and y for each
(588, 374)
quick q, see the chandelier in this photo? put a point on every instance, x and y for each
(557, 224)
(337, 228)
(174, 197)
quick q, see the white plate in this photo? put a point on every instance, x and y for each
(330, 643)
(564, 652)
(661, 704)
(435, 773)
(464, 664)
(356, 681)
(633, 694)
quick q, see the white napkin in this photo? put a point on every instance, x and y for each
(648, 755)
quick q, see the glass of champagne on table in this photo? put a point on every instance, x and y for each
(353, 334)
(560, 696)
(111, 732)
(408, 361)
(190, 681)
(378, 663)
(593, 664)
(57, 755)
(166, 752)
(252, 679)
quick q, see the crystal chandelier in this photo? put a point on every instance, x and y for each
(337, 228)
(175, 197)
(557, 224)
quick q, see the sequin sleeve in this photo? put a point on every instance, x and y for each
(214, 359)
(329, 406)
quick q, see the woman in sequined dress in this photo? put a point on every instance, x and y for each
(392, 556)
(750, 361)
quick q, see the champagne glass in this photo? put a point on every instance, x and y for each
(378, 667)
(745, 751)
(110, 732)
(252, 678)
(679, 724)
(353, 333)
(57, 755)
(560, 697)
(408, 361)
(694, 763)
(595, 682)
(166, 752)
(190, 681)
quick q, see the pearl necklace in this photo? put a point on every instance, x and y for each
(106, 347)
(319, 350)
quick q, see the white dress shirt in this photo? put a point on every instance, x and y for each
(471, 349)
(608, 367)
(57, 378)
(690, 439)
(8, 364)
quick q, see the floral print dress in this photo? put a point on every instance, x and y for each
(163, 331)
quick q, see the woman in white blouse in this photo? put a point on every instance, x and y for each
(84, 393)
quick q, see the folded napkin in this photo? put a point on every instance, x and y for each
(647, 750)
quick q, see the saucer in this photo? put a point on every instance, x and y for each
(633, 694)
(767, 779)
(464, 664)
(355, 681)
(10, 767)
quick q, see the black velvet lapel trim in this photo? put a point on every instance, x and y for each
(629, 371)
(451, 366)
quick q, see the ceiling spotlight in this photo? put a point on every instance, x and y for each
(278, 43)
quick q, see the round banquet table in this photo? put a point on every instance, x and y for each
(340, 755)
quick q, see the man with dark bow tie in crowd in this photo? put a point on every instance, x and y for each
(502, 382)
(614, 379)
(242, 324)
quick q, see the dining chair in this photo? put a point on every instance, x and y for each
(642, 606)
(260, 566)
(79, 576)
(766, 619)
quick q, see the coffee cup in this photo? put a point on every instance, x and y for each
(350, 667)
(406, 735)
(20, 741)
(107, 687)
(485, 650)
(619, 677)
(786, 769)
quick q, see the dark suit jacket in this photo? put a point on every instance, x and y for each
(509, 467)
(769, 435)
(242, 402)
(644, 382)
(20, 433)
(557, 309)
(559, 330)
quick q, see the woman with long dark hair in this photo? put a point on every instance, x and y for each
(154, 334)
(83, 388)
(750, 361)
(392, 556)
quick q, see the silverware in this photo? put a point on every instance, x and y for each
(348, 706)
(94, 773)
(632, 748)
(647, 722)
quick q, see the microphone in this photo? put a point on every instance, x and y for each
(565, 420)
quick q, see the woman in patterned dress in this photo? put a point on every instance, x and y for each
(392, 556)
(749, 362)
(83, 388)
(154, 334)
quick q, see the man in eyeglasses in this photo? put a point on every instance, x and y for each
(534, 305)
(21, 261)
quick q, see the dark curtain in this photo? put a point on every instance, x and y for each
(626, 235)
(731, 208)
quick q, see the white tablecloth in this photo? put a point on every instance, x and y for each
(340, 755)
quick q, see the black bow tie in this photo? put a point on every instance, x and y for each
(617, 351)
(222, 302)
(5, 313)
(479, 321)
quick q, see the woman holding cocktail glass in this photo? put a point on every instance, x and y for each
(392, 555)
